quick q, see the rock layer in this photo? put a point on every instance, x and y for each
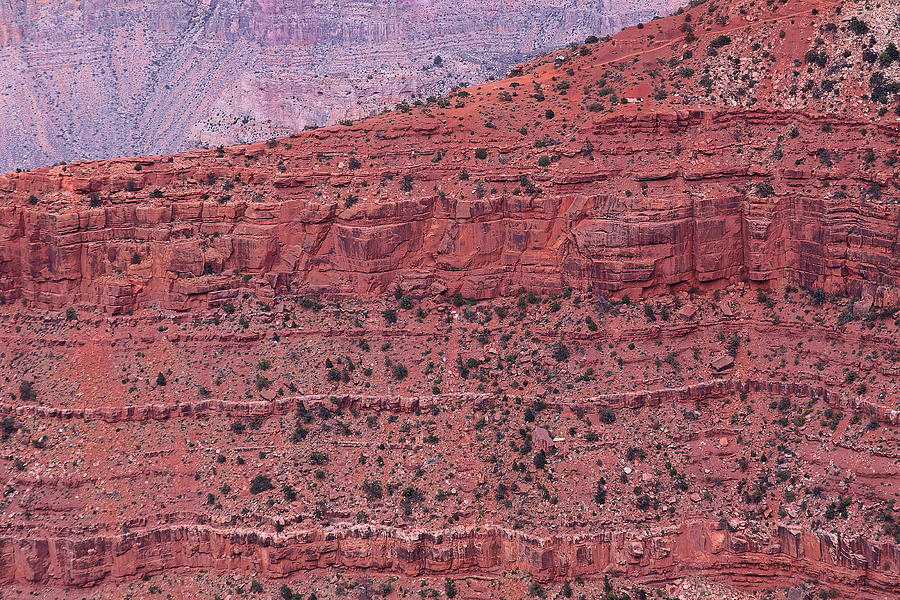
(696, 547)
(594, 169)
(684, 395)
(690, 222)
(314, 276)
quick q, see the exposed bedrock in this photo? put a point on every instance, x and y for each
(694, 219)
(694, 547)
(248, 408)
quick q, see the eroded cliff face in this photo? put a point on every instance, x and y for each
(130, 445)
(634, 216)
(697, 547)
(547, 331)
(551, 179)
(95, 79)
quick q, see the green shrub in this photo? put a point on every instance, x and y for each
(260, 483)
(560, 352)
(607, 415)
(857, 26)
(720, 41)
(399, 371)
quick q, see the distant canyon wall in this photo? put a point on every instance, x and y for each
(125, 77)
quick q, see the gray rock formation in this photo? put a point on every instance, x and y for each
(99, 78)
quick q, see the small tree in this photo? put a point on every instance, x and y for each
(260, 483)
(372, 490)
(399, 371)
(720, 41)
(8, 427)
(765, 190)
(289, 494)
(600, 493)
(607, 415)
(560, 352)
(857, 26)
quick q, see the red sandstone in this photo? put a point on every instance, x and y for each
(521, 338)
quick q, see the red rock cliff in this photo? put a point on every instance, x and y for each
(687, 222)
(546, 180)
(695, 547)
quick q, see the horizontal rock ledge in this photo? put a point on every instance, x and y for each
(404, 404)
(867, 569)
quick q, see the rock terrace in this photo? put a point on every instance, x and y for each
(621, 325)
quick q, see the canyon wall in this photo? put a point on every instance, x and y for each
(324, 278)
(96, 79)
(664, 201)
(695, 547)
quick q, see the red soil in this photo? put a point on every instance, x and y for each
(637, 341)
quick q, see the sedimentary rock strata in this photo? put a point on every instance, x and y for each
(450, 428)
(621, 324)
(854, 566)
(537, 182)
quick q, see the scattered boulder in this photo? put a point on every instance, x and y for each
(722, 363)
(541, 440)
(686, 312)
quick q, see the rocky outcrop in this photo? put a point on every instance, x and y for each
(549, 179)
(283, 405)
(693, 219)
(695, 547)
